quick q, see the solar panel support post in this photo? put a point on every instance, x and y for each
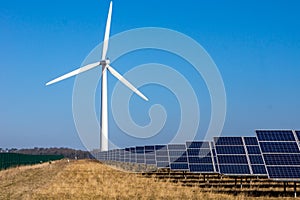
(184, 175)
(284, 188)
(241, 182)
(235, 181)
(295, 189)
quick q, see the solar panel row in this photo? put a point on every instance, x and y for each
(272, 153)
(281, 153)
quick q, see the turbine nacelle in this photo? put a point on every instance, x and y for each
(105, 62)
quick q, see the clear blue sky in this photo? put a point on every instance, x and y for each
(255, 44)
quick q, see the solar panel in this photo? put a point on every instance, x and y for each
(140, 154)
(150, 155)
(127, 155)
(234, 169)
(231, 156)
(122, 155)
(117, 153)
(281, 153)
(284, 172)
(275, 135)
(132, 155)
(298, 134)
(239, 156)
(230, 149)
(161, 156)
(228, 141)
(200, 157)
(250, 141)
(254, 155)
(112, 155)
(259, 169)
(178, 157)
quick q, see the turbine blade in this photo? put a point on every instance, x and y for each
(107, 31)
(125, 82)
(75, 72)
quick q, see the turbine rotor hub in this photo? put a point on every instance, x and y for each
(105, 62)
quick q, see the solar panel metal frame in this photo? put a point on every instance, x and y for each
(286, 166)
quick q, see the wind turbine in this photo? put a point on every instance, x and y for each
(105, 63)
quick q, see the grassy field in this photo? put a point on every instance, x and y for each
(86, 179)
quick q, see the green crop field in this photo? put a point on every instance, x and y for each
(8, 160)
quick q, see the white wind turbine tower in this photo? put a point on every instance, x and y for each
(104, 62)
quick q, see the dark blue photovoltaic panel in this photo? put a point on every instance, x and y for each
(161, 156)
(179, 166)
(280, 153)
(161, 153)
(228, 141)
(149, 149)
(201, 168)
(161, 147)
(232, 159)
(132, 155)
(257, 159)
(127, 155)
(282, 159)
(150, 155)
(250, 141)
(197, 145)
(207, 159)
(298, 135)
(253, 150)
(237, 155)
(279, 147)
(182, 159)
(140, 154)
(234, 169)
(199, 152)
(284, 172)
(177, 157)
(176, 153)
(162, 159)
(122, 155)
(176, 147)
(275, 135)
(150, 162)
(200, 158)
(230, 149)
(139, 149)
(162, 164)
(258, 169)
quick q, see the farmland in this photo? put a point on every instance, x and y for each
(87, 179)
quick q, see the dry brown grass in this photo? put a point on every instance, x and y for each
(87, 179)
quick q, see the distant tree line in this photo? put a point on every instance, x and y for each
(66, 152)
